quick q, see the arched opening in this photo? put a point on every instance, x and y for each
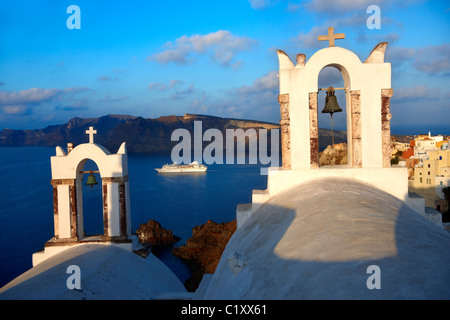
(89, 201)
(333, 144)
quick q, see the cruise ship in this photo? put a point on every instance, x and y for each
(183, 168)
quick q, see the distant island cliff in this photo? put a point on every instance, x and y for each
(141, 135)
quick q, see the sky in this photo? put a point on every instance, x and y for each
(156, 58)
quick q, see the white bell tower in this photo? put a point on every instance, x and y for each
(67, 176)
(368, 91)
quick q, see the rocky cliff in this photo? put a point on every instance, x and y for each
(141, 135)
(204, 249)
(152, 232)
(334, 155)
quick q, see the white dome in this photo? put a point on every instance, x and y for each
(107, 273)
(317, 240)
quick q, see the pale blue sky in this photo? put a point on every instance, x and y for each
(154, 58)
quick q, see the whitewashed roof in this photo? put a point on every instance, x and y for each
(107, 273)
(317, 240)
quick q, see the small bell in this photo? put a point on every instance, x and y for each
(331, 104)
(91, 180)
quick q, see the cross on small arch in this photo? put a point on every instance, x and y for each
(91, 133)
(331, 37)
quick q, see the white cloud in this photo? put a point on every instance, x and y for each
(27, 97)
(433, 60)
(339, 6)
(77, 105)
(222, 47)
(160, 86)
(267, 82)
(259, 4)
(262, 4)
(292, 7)
(330, 76)
(257, 101)
(157, 86)
(309, 39)
(419, 105)
(356, 22)
(75, 90)
(398, 55)
(185, 93)
(14, 109)
(24, 101)
(417, 93)
(108, 98)
(104, 78)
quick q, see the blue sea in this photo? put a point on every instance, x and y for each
(179, 202)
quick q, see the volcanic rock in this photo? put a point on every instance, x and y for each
(204, 249)
(152, 232)
(334, 155)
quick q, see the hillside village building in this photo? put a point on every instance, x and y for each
(435, 167)
(419, 147)
(424, 144)
(428, 168)
(432, 176)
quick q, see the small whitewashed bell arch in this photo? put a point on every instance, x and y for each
(368, 91)
(67, 182)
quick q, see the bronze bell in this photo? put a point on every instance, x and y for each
(331, 104)
(91, 180)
